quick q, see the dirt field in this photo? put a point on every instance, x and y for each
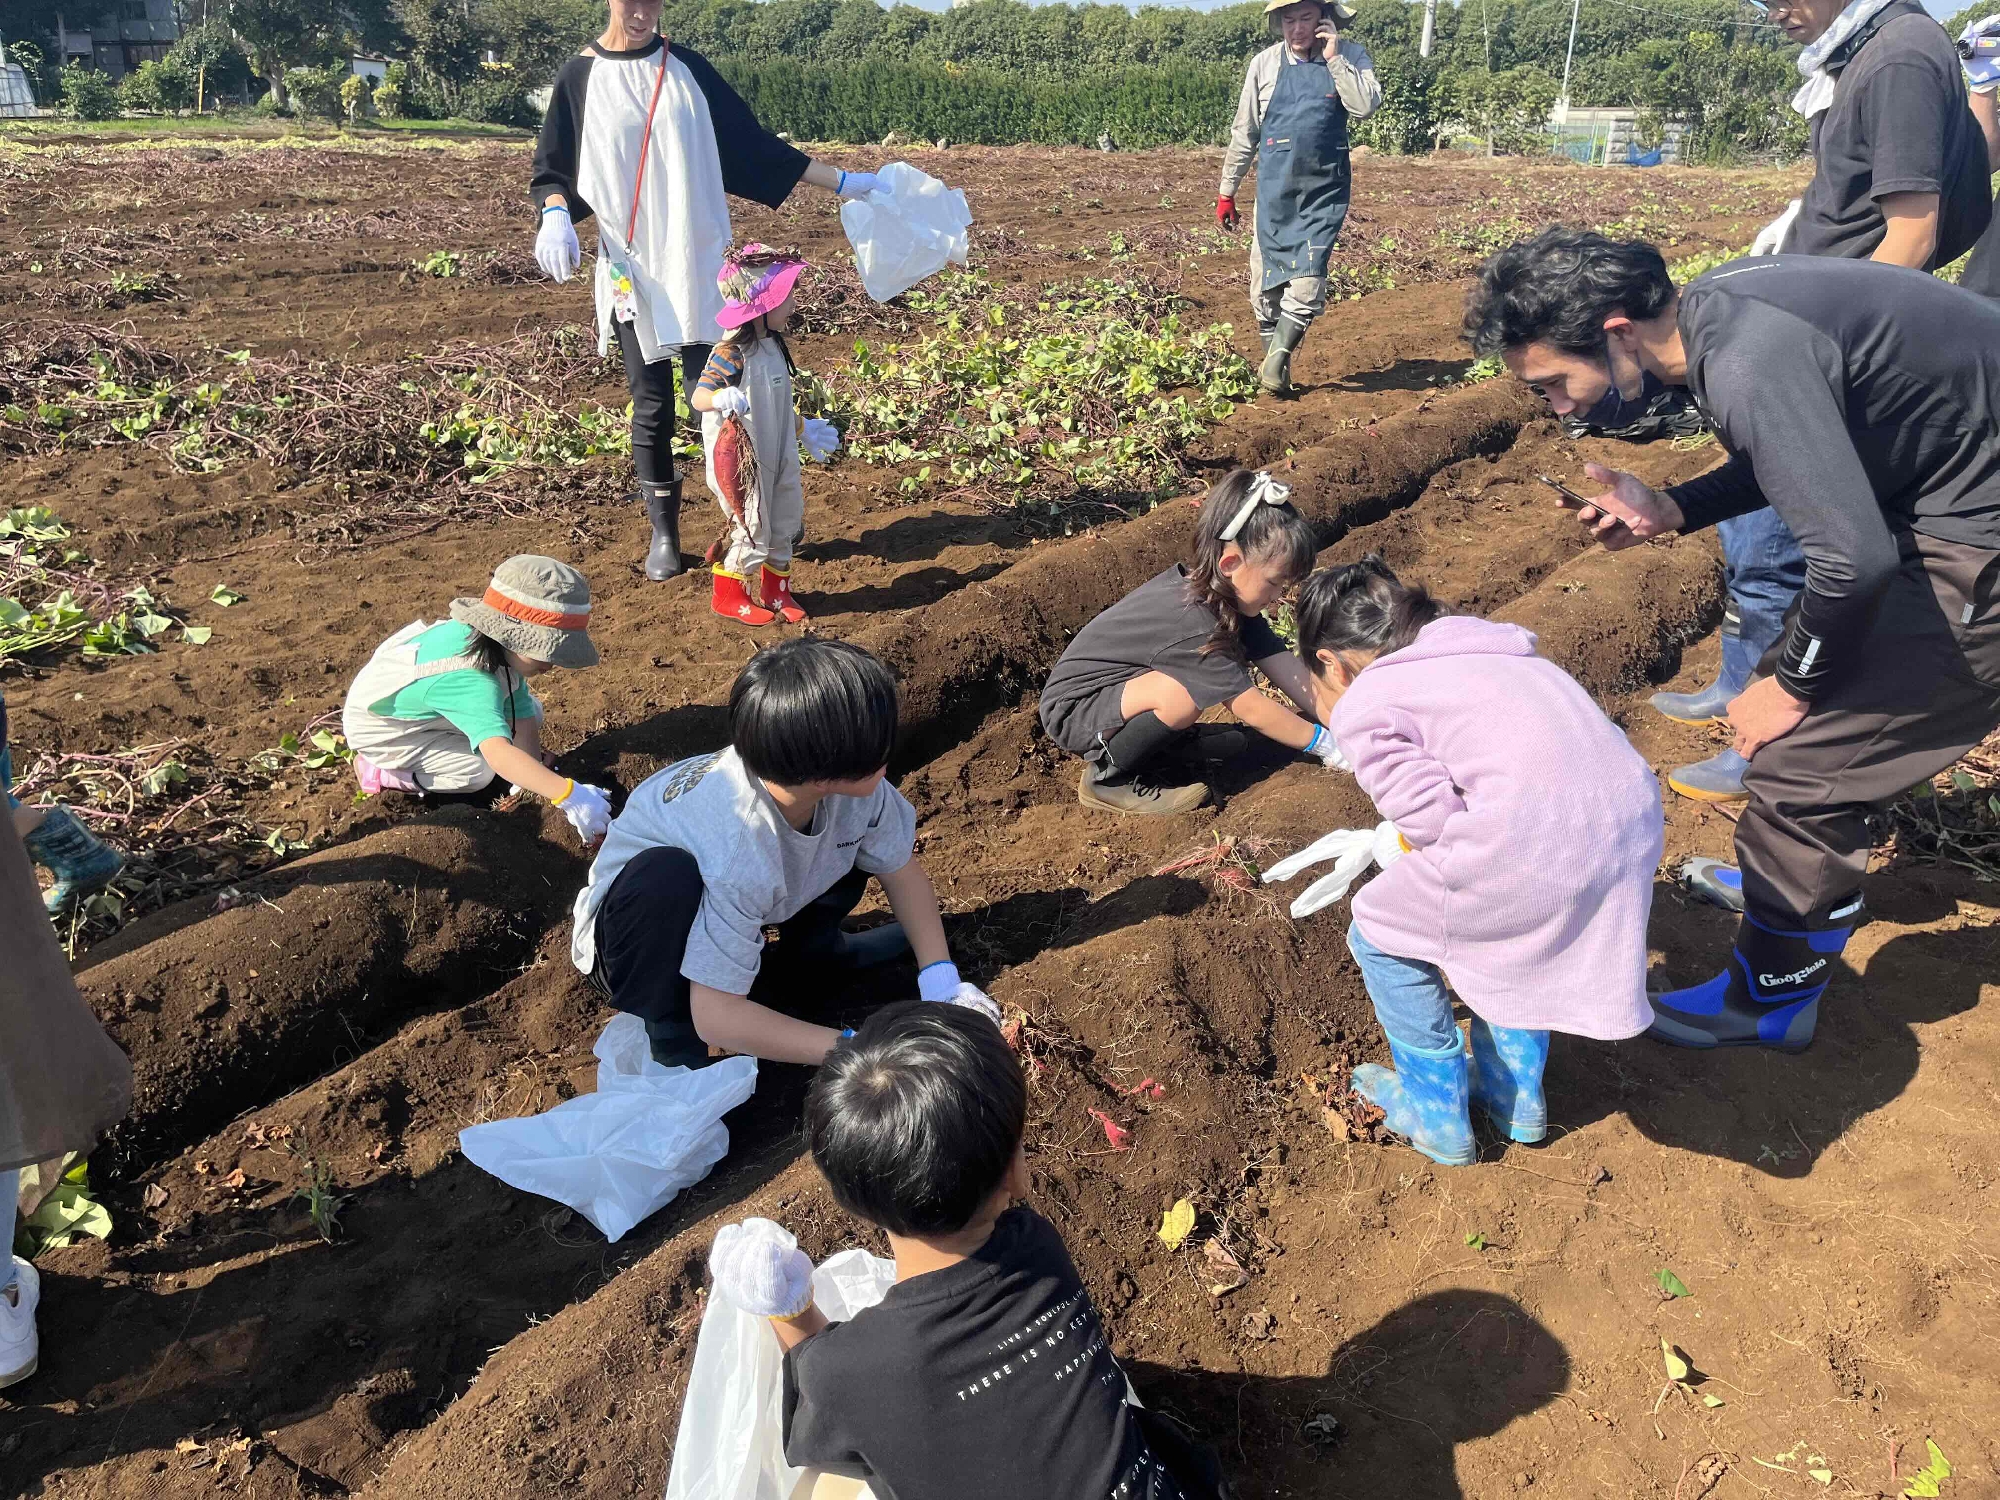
(378, 982)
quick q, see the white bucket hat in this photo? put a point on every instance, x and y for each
(536, 606)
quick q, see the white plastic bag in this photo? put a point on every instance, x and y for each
(1352, 850)
(731, 1444)
(621, 1154)
(910, 229)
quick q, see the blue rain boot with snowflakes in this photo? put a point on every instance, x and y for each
(1769, 994)
(1507, 1069)
(1425, 1099)
(80, 861)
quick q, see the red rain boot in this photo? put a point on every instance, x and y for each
(776, 594)
(732, 601)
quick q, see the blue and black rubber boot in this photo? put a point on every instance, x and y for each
(81, 862)
(1769, 994)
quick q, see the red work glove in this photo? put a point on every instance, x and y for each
(1226, 215)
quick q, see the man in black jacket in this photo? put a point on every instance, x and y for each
(1862, 403)
(1899, 177)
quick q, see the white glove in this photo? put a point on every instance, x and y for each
(1325, 751)
(556, 250)
(1389, 845)
(939, 982)
(1352, 851)
(1772, 235)
(1982, 66)
(730, 401)
(821, 437)
(588, 809)
(759, 1268)
(859, 184)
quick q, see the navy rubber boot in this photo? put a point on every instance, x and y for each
(1715, 882)
(80, 861)
(1705, 706)
(1507, 1065)
(1717, 779)
(1426, 1099)
(1769, 994)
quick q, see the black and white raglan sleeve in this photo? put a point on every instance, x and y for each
(755, 163)
(560, 145)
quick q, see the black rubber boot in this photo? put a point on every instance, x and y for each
(1120, 785)
(1264, 334)
(663, 509)
(1769, 994)
(1275, 377)
(1208, 745)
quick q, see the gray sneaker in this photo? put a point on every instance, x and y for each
(1138, 795)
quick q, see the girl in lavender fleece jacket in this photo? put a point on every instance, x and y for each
(1533, 832)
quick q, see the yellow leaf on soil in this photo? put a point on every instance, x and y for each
(1177, 1224)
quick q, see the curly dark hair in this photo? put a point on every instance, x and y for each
(1559, 287)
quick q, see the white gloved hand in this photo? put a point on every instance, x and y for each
(972, 997)
(588, 809)
(859, 184)
(821, 438)
(760, 1268)
(556, 250)
(1325, 751)
(1772, 235)
(730, 401)
(1389, 845)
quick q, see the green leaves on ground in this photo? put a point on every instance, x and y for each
(1671, 1284)
(222, 594)
(1476, 1240)
(68, 1212)
(1093, 391)
(1928, 1481)
(1677, 1364)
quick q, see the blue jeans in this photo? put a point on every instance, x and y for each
(10, 1193)
(1765, 569)
(1409, 996)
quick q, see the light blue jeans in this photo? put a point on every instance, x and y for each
(1409, 996)
(10, 1193)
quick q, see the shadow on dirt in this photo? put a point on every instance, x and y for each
(910, 538)
(1396, 1401)
(1404, 375)
(1768, 1110)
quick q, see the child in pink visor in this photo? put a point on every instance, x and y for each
(750, 436)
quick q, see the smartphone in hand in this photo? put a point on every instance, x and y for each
(1579, 502)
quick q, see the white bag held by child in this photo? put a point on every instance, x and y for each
(731, 1444)
(1352, 850)
(621, 1154)
(907, 230)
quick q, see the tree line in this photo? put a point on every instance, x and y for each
(1001, 72)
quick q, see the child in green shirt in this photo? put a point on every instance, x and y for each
(445, 708)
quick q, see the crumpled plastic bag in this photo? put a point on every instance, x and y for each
(1352, 851)
(907, 231)
(621, 1154)
(732, 1442)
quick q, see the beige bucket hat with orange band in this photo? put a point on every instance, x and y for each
(536, 606)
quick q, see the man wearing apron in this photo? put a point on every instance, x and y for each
(1297, 98)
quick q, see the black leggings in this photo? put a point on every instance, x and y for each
(642, 933)
(652, 387)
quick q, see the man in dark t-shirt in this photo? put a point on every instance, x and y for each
(984, 1373)
(1862, 404)
(1899, 177)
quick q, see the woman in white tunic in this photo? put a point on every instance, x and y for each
(648, 137)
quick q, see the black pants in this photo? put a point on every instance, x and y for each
(652, 388)
(642, 933)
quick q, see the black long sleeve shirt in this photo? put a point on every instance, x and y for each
(1859, 401)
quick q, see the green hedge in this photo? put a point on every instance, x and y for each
(1139, 106)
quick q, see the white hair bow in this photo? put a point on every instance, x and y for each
(1264, 490)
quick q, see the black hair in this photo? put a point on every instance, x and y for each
(915, 1120)
(1361, 607)
(492, 658)
(1559, 287)
(1273, 533)
(813, 709)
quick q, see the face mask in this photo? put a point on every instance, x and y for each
(1613, 411)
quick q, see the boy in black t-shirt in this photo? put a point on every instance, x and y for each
(984, 1374)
